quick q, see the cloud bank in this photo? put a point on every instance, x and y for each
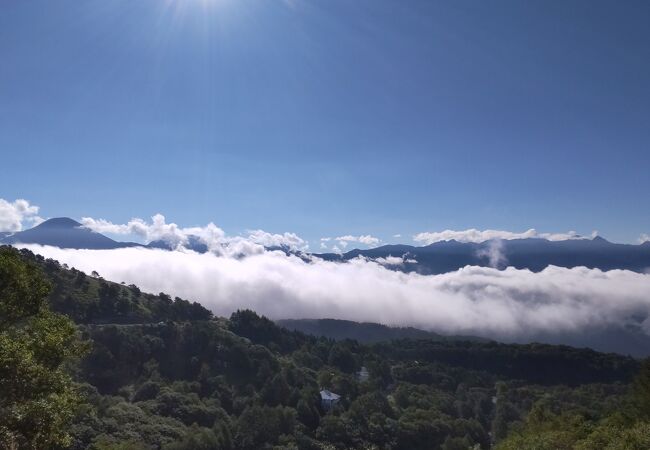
(478, 236)
(211, 235)
(472, 300)
(14, 215)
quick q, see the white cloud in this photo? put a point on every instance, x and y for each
(390, 261)
(494, 252)
(214, 237)
(368, 240)
(644, 238)
(393, 261)
(14, 215)
(290, 240)
(365, 239)
(477, 236)
(397, 235)
(104, 226)
(323, 242)
(158, 229)
(472, 300)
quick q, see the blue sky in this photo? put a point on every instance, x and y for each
(327, 118)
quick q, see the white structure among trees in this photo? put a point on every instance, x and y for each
(328, 399)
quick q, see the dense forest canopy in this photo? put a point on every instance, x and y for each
(37, 397)
(106, 366)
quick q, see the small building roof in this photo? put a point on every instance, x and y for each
(328, 395)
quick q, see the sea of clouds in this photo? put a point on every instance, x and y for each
(483, 301)
(241, 272)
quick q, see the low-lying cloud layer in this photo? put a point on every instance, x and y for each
(474, 300)
(478, 236)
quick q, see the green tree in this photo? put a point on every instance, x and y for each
(104, 443)
(341, 357)
(197, 438)
(258, 426)
(37, 398)
(641, 392)
(307, 413)
(276, 391)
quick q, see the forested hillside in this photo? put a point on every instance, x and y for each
(367, 333)
(88, 298)
(164, 374)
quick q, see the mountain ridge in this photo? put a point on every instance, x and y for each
(534, 254)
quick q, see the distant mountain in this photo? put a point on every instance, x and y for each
(364, 332)
(533, 254)
(193, 243)
(629, 339)
(64, 233)
(625, 340)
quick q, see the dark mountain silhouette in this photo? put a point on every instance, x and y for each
(64, 233)
(533, 254)
(629, 339)
(365, 332)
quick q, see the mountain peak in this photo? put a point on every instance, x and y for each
(600, 239)
(59, 222)
(63, 232)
